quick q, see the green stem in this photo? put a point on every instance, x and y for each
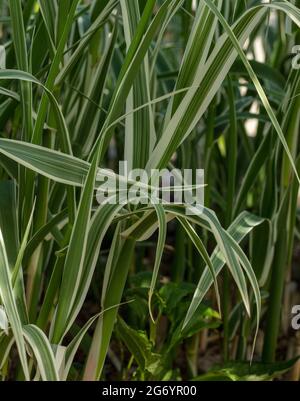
(231, 163)
(276, 288)
(178, 268)
(104, 329)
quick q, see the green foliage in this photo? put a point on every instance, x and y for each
(241, 371)
(159, 84)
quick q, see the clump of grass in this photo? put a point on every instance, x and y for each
(158, 84)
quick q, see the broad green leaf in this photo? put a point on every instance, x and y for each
(205, 318)
(140, 347)
(50, 163)
(242, 371)
(58, 166)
